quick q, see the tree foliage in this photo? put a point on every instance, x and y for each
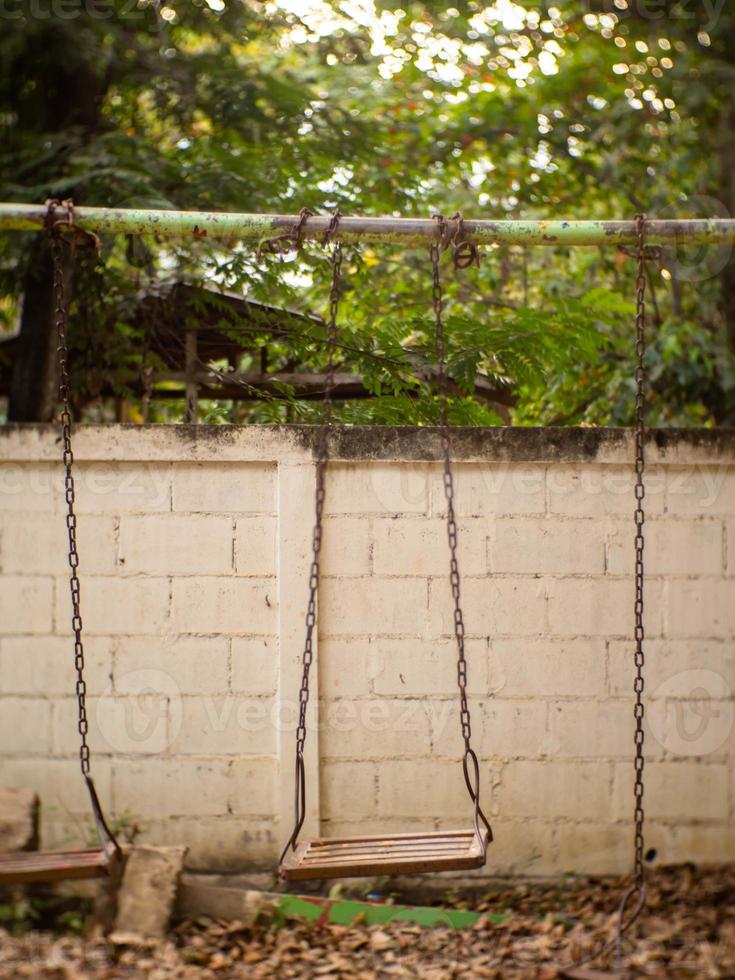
(573, 110)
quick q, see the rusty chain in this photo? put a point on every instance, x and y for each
(321, 466)
(635, 895)
(640, 493)
(638, 890)
(470, 764)
(291, 241)
(60, 321)
(55, 228)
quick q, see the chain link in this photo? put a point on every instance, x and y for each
(469, 763)
(316, 545)
(464, 253)
(60, 321)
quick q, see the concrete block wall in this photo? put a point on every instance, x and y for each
(195, 544)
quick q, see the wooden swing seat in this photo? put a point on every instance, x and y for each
(26, 867)
(363, 857)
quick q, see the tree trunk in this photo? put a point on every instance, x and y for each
(727, 196)
(66, 91)
(34, 381)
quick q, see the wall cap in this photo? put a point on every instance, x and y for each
(29, 442)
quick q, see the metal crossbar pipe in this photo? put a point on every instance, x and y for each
(397, 231)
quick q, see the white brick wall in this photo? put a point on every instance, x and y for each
(194, 558)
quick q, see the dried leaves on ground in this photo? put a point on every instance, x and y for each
(687, 930)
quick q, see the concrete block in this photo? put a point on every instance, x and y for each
(373, 826)
(546, 545)
(255, 546)
(226, 845)
(198, 898)
(380, 488)
(123, 487)
(154, 787)
(225, 725)
(702, 844)
(599, 491)
(545, 667)
(25, 726)
(224, 605)
(59, 785)
(253, 787)
(672, 547)
(600, 607)
(700, 490)
(421, 790)
(254, 665)
(485, 489)
(420, 546)
(142, 722)
(348, 791)
(491, 606)
(26, 604)
(38, 544)
(697, 725)
(30, 488)
(676, 790)
(115, 604)
(44, 665)
(197, 665)
(593, 848)
(554, 788)
(169, 544)
(347, 546)
(700, 608)
(387, 728)
(224, 488)
(592, 728)
(372, 605)
(674, 668)
(18, 819)
(522, 847)
(348, 667)
(147, 893)
(511, 729)
(408, 666)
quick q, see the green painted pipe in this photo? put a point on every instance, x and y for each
(404, 231)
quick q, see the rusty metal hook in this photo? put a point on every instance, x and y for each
(56, 226)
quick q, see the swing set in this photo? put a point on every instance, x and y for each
(371, 855)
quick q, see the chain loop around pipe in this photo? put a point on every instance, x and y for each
(291, 241)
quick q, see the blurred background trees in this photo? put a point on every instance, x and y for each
(581, 109)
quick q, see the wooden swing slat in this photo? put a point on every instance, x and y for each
(355, 857)
(26, 867)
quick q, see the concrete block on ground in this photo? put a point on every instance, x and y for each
(19, 808)
(148, 892)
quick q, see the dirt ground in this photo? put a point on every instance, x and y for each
(687, 930)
